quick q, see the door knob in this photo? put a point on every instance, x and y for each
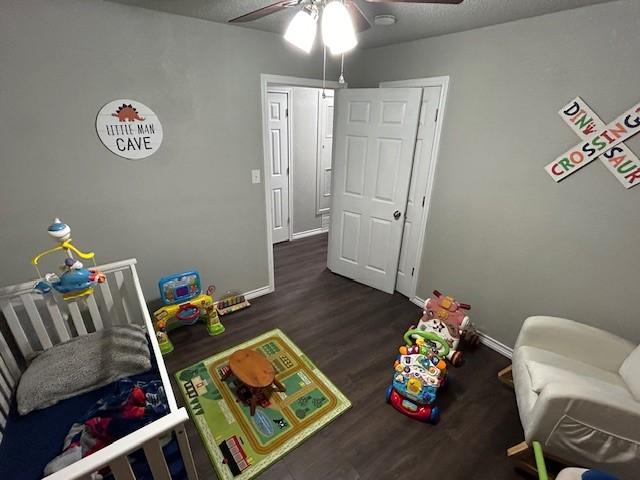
(396, 214)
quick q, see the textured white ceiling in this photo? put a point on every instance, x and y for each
(414, 20)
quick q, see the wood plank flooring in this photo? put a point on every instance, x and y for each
(352, 332)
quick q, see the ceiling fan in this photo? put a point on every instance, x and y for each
(341, 19)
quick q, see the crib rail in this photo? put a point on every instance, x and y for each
(147, 438)
(37, 322)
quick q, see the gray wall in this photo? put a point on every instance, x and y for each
(191, 204)
(304, 145)
(502, 235)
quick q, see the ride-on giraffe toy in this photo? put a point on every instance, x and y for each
(446, 317)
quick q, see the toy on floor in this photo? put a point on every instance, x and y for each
(420, 371)
(231, 302)
(571, 473)
(75, 281)
(446, 317)
(185, 304)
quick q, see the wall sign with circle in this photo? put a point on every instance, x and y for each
(129, 128)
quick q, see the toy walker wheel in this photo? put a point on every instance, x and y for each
(435, 416)
(475, 340)
(456, 359)
(188, 313)
(388, 393)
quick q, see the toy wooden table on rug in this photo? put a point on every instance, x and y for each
(255, 372)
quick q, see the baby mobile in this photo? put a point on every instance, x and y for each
(75, 280)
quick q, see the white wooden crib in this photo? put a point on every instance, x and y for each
(37, 322)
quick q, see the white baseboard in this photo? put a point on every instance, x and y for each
(306, 233)
(495, 345)
(418, 301)
(258, 292)
(485, 339)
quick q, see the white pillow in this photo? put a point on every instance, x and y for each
(630, 372)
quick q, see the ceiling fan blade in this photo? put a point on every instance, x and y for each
(360, 22)
(264, 11)
(451, 2)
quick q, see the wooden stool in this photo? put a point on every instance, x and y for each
(255, 372)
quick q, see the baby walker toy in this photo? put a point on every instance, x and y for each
(75, 281)
(446, 317)
(184, 305)
(419, 372)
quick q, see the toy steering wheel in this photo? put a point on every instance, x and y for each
(187, 312)
(443, 352)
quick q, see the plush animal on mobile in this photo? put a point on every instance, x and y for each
(75, 281)
(446, 317)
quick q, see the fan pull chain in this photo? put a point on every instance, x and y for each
(341, 78)
(324, 69)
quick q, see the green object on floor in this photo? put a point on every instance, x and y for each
(540, 465)
(241, 446)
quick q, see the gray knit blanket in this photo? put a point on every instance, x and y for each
(83, 364)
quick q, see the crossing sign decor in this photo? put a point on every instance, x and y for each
(599, 141)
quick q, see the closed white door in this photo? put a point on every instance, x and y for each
(325, 147)
(374, 139)
(422, 158)
(279, 164)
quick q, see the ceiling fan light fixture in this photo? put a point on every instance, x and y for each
(301, 31)
(337, 28)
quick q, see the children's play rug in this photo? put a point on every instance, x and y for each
(239, 445)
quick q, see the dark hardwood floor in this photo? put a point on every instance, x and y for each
(352, 333)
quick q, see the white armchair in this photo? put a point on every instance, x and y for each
(578, 393)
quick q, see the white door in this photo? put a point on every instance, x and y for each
(325, 147)
(279, 164)
(374, 139)
(421, 171)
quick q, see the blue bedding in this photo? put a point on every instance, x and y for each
(32, 440)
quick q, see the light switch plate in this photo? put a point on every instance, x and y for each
(255, 176)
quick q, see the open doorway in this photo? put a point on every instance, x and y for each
(381, 162)
(297, 123)
(300, 123)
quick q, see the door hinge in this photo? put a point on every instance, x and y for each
(286, 112)
(437, 110)
(412, 270)
(423, 198)
(287, 170)
(288, 221)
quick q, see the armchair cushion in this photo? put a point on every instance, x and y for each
(571, 339)
(630, 372)
(543, 372)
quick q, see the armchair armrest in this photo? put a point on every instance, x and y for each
(597, 406)
(575, 340)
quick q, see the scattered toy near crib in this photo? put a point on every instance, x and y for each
(419, 371)
(446, 317)
(185, 304)
(75, 280)
(230, 302)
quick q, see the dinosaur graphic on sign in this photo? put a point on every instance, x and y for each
(127, 113)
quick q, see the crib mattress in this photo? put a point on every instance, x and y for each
(31, 441)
